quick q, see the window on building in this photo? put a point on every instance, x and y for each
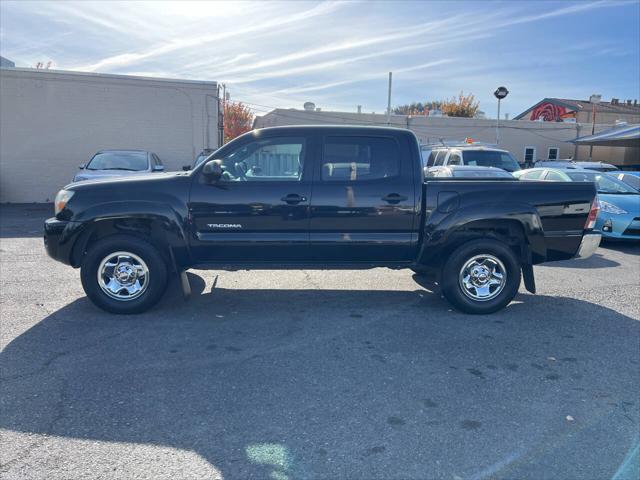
(360, 158)
(529, 154)
(553, 153)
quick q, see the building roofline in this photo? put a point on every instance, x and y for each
(36, 71)
(555, 101)
(585, 105)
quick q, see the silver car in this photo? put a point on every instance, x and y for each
(115, 163)
(468, 172)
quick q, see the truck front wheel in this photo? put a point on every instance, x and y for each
(123, 274)
(481, 277)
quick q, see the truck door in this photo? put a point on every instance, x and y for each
(363, 200)
(258, 211)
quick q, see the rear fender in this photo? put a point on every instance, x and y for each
(446, 231)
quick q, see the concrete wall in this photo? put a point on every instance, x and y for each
(52, 121)
(515, 135)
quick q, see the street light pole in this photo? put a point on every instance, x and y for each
(498, 124)
(500, 93)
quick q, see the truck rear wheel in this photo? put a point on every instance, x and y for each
(123, 274)
(481, 277)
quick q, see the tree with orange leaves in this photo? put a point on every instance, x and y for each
(238, 119)
(463, 106)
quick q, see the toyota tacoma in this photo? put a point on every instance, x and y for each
(324, 197)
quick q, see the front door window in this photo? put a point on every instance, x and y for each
(273, 159)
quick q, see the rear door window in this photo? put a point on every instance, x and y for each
(439, 160)
(533, 175)
(554, 176)
(431, 158)
(357, 159)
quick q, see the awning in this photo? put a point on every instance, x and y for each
(622, 136)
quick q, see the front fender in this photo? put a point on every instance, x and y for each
(165, 226)
(444, 231)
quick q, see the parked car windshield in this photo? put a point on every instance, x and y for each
(491, 158)
(134, 161)
(604, 183)
(632, 180)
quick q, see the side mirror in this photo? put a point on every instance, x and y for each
(82, 166)
(158, 168)
(213, 169)
(186, 168)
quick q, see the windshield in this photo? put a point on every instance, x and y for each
(134, 161)
(604, 183)
(632, 180)
(491, 158)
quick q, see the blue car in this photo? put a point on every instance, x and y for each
(619, 216)
(630, 178)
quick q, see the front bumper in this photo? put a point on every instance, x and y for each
(588, 245)
(619, 227)
(59, 238)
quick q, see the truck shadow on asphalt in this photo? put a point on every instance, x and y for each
(334, 383)
(597, 260)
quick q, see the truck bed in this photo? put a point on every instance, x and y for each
(552, 214)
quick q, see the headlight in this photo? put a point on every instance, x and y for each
(611, 208)
(62, 198)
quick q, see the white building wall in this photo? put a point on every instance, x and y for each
(515, 135)
(52, 121)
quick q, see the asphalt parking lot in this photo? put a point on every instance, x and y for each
(317, 374)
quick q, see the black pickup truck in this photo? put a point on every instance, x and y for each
(324, 197)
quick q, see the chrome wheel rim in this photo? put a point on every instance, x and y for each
(123, 276)
(482, 277)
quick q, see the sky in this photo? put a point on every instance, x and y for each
(338, 54)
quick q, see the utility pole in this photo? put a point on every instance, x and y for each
(224, 108)
(389, 102)
(594, 99)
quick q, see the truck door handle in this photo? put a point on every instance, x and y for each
(293, 198)
(394, 198)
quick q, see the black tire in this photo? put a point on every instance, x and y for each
(156, 278)
(453, 287)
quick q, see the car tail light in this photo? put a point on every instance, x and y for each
(593, 214)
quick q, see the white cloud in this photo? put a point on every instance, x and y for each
(198, 39)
